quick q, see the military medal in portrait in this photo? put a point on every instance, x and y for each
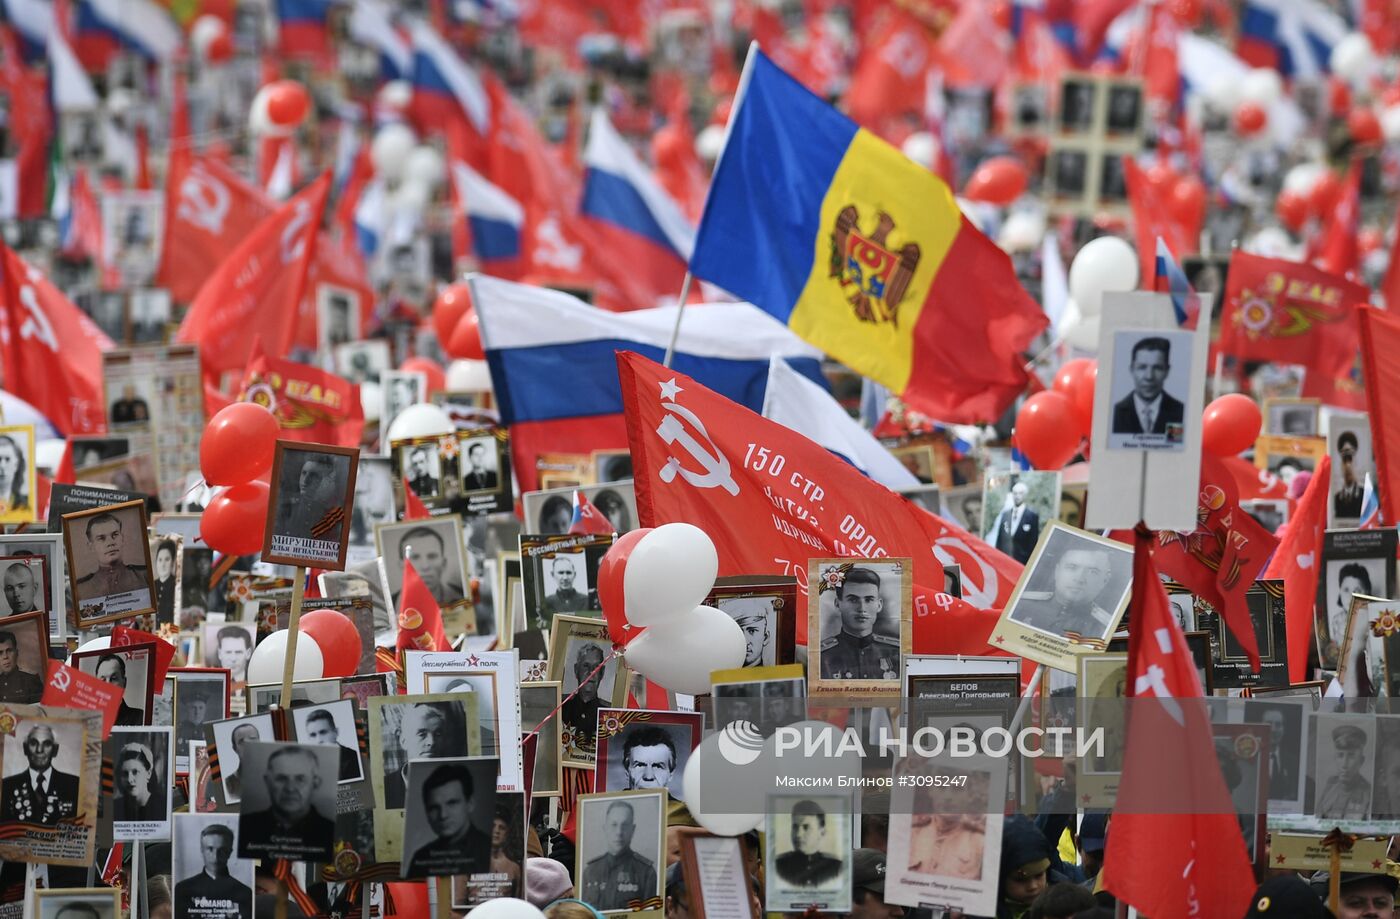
(109, 562)
(859, 623)
(621, 854)
(313, 490)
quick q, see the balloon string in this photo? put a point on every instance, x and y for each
(581, 683)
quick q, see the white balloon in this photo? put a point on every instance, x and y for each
(270, 656)
(1085, 334)
(922, 147)
(506, 908)
(1390, 123)
(1272, 242)
(1301, 178)
(425, 165)
(48, 453)
(1262, 85)
(1022, 231)
(396, 94)
(421, 420)
(466, 375)
(371, 400)
(1223, 93)
(669, 571)
(1353, 58)
(412, 196)
(100, 643)
(719, 824)
(680, 653)
(390, 149)
(1104, 264)
(205, 30)
(709, 142)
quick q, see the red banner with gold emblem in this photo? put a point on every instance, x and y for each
(312, 406)
(1283, 311)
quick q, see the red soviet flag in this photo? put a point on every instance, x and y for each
(1380, 339)
(1176, 849)
(51, 350)
(771, 499)
(257, 288)
(209, 210)
(311, 405)
(1296, 561)
(1283, 311)
(420, 617)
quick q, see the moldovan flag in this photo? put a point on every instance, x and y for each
(209, 209)
(1176, 849)
(51, 350)
(771, 499)
(256, 291)
(863, 253)
(1296, 562)
(1380, 342)
(420, 618)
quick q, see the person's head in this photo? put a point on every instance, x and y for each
(104, 536)
(1360, 896)
(1081, 574)
(9, 652)
(619, 824)
(500, 830)
(292, 778)
(165, 559)
(447, 796)
(11, 459)
(751, 614)
(677, 893)
(562, 567)
(1151, 362)
(1353, 578)
(135, 764)
(1349, 741)
(556, 515)
(586, 660)
(476, 455)
(426, 550)
(216, 845)
(235, 645)
(405, 392)
(868, 887)
(1278, 725)
(808, 826)
(611, 506)
(40, 747)
(21, 585)
(1025, 859)
(111, 668)
(241, 736)
(648, 757)
(1092, 840)
(972, 509)
(316, 481)
(194, 708)
(320, 728)
(1061, 901)
(77, 911)
(1347, 446)
(423, 731)
(1018, 493)
(418, 461)
(858, 599)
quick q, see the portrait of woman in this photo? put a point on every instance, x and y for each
(165, 580)
(14, 476)
(136, 798)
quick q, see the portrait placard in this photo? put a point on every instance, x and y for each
(399, 389)
(592, 678)
(1292, 417)
(491, 677)
(1348, 438)
(155, 399)
(1243, 753)
(288, 801)
(313, 488)
(18, 499)
(550, 512)
(1230, 666)
(1285, 457)
(143, 764)
(133, 667)
(466, 472)
(211, 882)
(199, 696)
(228, 737)
(24, 578)
(560, 575)
(808, 839)
(537, 700)
(1288, 722)
(765, 607)
(766, 697)
(49, 547)
(645, 749)
(1353, 562)
(713, 868)
(616, 879)
(109, 563)
(1103, 682)
(1149, 389)
(78, 903)
(435, 549)
(1016, 506)
(55, 819)
(363, 361)
(332, 725)
(860, 624)
(374, 505)
(168, 555)
(448, 815)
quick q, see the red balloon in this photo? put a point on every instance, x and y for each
(1338, 94)
(999, 180)
(466, 339)
(338, 639)
(451, 305)
(1047, 431)
(238, 444)
(1250, 119)
(1292, 209)
(1231, 425)
(1161, 175)
(437, 380)
(668, 146)
(610, 591)
(288, 103)
(1188, 202)
(1068, 373)
(1363, 126)
(1081, 396)
(220, 48)
(1187, 12)
(1324, 194)
(234, 521)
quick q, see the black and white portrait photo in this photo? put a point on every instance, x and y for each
(399, 390)
(550, 512)
(128, 667)
(759, 621)
(332, 725)
(1271, 513)
(435, 549)
(415, 729)
(537, 701)
(312, 490)
(1292, 417)
(24, 655)
(482, 685)
(1183, 606)
(423, 469)
(1341, 580)
(448, 817)
(24, 579)
(1344, 765)
(43, 765)
(1075, 587)
(211, 881)
(809, 851)
(374, 505)
(229, 645)
(580, 661)
(109, 562)
(1113, 182)
(1349, 443)
(167, 553)
(621, 848)
(1286, 722)
(262, 696)
(1068, 172)
(142, 772)
(150, 315)
(337, 316)
(859, 614)
(17, 474)
(231, 736)
(1151, 370)
(1124, 114)
(1077, 98)
(363, 362)
(1016, 505)
(288, 801)
(479, 471)
(560, 576)
(49, 547)
(201, 697)
(646, 751)
(78, 903)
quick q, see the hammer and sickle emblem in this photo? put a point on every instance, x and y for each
(716, 464)
(293, 237)
(204, 201)
(61, 680)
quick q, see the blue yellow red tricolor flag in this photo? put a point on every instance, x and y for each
(863, 253)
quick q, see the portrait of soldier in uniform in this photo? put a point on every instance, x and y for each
(806, 865)
(754, 616)
(423, 477)
(1346, 497)
(16, 684)
(212, 892)
(40, 793)
(1345, 794)
(580, 712)
(1085, 588)
(21, 585)
(619, 875)
(860, 651)
(571, 593)
(106, 540)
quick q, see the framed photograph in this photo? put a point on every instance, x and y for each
(1345, 745)
(579, 659)
(1067, 173)
(1285, 457)
(1292, 417)
(1361, 664)
(51, 818)
(366, 580)
(230, 736)
(860, 623)
(765, 608)
(486, 455)
(1070, 598)
(24, 578)
(168, 553)
(400, 390)
(1078, 105)
(466, 472)
(1199, 643)
(313, 489)
(612, 465)
(1386, 803)
(1016, 505)
(419, 462)
(363, 362)
(550, 512)
(364, 686)
(1271, 513)
(78, 903)
(435, 549)
(809, 853)
(131, 667)
(506, 875)
(1311, 690)
(645, 749)
(143, 767)
(131, 234)
(1287, 722)
(155, 396)
(449, 816)
(1353, 562)
(919, 460)
(148, 316)
(621, 849)
(338, 312)
(492, 676)
(537, 700)
(208, 875)
(331, 725)
(1242, 750)
(17, 474)
(1103, 679)
(262, 696)
(288, 801)
(1348, 438)
(229, 645)
(1231, 668)
(1151, 378)
(560, 575)
(963, 505)
(109, 563)
(766, 697)
(1183, 604)
(24, 658)
(1125, 109)
(1113, 182)
(721, 887)
(201, 697)
(49, 547)
(1028, 110)
(374, 505)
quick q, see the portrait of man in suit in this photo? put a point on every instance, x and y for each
(1017, 528)
(480, 474)
(40, 793)
(1148, 416)
(1285, 723)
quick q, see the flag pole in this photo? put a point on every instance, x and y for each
(680, 312)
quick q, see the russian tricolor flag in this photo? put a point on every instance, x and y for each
(32, 21)
(445, 88)
(301, 27)
(139, 25)
(495, 219)
(632, 213)
(1295, 37)
(555, 375)
(371, 23)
